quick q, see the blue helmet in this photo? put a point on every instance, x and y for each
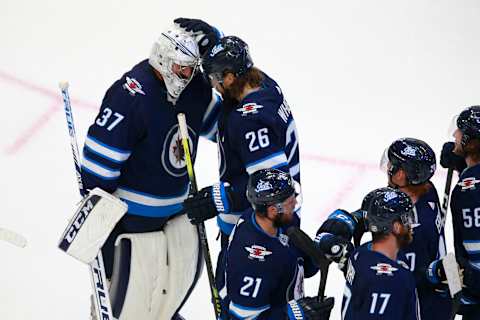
(268, 187)
(231, 54)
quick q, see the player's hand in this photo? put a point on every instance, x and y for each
(450, 160)
(335, 248)
(205, 35)
(208, 202)
(311, 308)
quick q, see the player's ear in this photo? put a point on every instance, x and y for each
(396, 227)
(228, 79)
(271, 212)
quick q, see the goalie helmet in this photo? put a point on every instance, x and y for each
(268, 187)
(387, 205)
(414, 156)
(231, 54)
(468, 122)
(174, 47)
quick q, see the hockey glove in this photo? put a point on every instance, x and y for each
(205, 35)
(340, 223)
(436, 272)
(309, 308)
(335, 248)
(209, 202)
(450, 160)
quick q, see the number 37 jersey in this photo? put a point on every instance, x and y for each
(257, 133)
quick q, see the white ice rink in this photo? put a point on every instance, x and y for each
(358, 74)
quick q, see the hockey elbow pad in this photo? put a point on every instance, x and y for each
(310, 308)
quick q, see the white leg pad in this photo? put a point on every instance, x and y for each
(162, 270)
(92, 223)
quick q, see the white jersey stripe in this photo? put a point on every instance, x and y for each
(106, 151)
(149, 200)
(100, 170)
(273, 161)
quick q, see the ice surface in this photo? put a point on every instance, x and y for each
(357, 74)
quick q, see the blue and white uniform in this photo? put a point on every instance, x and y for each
(378, 288)
(263, 273)
(258, 133)
(427, 246)
(465, 206)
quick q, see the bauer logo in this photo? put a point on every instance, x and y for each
(79, 219)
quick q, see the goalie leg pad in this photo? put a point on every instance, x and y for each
(162, 268)
(94, 219)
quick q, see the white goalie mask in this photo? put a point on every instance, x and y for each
(174, 48)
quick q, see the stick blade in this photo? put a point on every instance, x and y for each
(13, 238)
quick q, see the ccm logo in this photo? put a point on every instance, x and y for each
(82, 214)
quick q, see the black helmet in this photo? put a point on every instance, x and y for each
(230, 54)
(267, 187)
(387, 205)
(469, 123)
(414, 156)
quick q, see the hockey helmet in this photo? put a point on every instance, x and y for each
(268, 187)
(414, 156)
(468, 122)
(174, 46)
(387, 205)
(231, 54)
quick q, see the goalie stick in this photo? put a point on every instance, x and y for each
(98, 277)
(13, 238)
(182, 123)
(303, 242)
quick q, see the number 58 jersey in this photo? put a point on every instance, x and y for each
(378, 288)
(257, 133)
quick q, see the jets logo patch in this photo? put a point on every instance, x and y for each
(133, 86)
(257, 252)
(249, 108)
(468, 183)
(384, 268)
(173, 155)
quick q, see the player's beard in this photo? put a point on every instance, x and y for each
(404, 238)
(281, 220)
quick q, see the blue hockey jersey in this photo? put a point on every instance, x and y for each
(257, 133)
(133, 149)
(465, 206)
(262, 273)
(378, 288)
(428, 245)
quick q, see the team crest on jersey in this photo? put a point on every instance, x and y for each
(173, 155)
(257, 252)
(133, 86)
(249, 108)
(468, 183)
(384, 268)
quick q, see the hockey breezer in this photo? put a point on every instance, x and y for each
(182, 123)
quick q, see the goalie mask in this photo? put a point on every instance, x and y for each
(175, 55)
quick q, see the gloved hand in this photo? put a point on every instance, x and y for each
(340, 223)
(436, 272)
(335, 248)
(448, 159)
(205, 35)
(309, 308)
(209, 202)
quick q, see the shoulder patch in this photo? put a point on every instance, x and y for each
(133, 86)
(249, 108)
(257, 252)
(468, 183)
(384, 268)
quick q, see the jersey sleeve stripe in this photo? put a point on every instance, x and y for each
(275, 160)
(108, 152)
(472, 247)
(246, 313)
(295, 170)
(214, 104)
(100, 170)
(229, 218)
(148, 199)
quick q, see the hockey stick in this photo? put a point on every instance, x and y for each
(13, 238)
(182, 123)
(97, 269)
(303, 242)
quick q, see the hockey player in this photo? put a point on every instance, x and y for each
(256, 130)
(465, 205)
(410, 163)
(378, 285)
(133, 150)
(264, 272)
